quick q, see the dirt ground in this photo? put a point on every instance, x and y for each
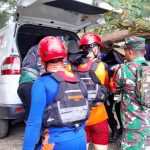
(15, 139)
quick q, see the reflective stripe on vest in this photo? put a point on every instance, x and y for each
(70, 106)
(72, 114)
(98, 113)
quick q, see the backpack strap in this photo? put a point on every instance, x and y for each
(92, 72)
(57, 77)
(131, 69)
(61, 82)
(83, 88)
(61, 88)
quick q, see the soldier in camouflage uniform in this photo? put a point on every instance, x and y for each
(135, 119)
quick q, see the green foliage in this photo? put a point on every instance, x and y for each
(134, 17)
(3, 18)
(7, 8)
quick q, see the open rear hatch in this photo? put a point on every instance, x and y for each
(68, 15)
(52, 17)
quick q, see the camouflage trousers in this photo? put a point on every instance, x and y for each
(136, 139)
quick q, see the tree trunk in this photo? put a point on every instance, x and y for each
(120, 35)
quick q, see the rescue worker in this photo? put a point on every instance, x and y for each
(112, 58)
(135, 113)
(59, 106)
(93, 73)
(31, 69)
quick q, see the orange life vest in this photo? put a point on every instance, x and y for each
(98, 113)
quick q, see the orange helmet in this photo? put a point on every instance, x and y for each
(50, 48)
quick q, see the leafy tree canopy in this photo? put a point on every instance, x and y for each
(135, 16)
(7, 8)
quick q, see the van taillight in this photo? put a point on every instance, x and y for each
(11, 66)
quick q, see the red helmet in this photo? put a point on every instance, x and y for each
(50, 48)
(90, 38)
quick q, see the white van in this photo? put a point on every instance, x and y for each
(35, 18)
(10, 104)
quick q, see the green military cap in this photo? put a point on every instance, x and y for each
(134, 43)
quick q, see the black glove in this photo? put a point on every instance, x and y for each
(77, 58)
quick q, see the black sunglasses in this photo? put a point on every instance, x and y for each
(86, 47)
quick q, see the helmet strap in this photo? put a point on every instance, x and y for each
(95, 55)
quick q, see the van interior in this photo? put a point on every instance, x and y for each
(29, 35)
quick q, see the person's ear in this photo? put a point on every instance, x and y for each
(130, 52)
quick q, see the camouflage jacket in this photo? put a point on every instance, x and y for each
(31, 66)
(134, 116)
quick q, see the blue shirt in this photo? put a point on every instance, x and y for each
(44, 91)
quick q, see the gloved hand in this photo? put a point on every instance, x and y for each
(77, 58)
